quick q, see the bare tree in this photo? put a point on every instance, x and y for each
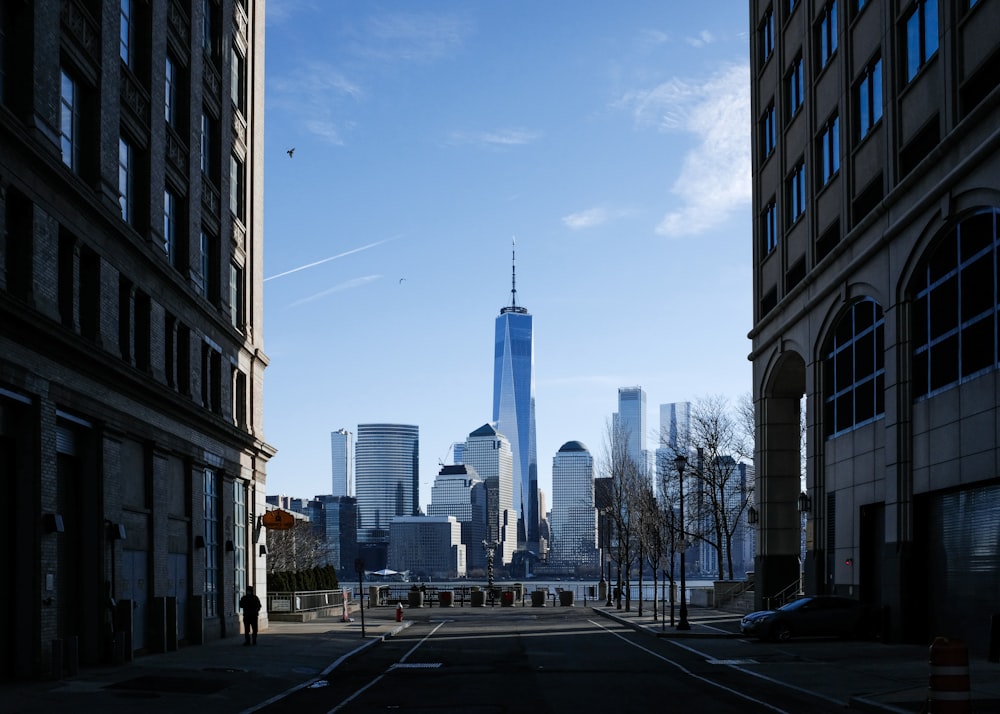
(298, 548)
(625, 476)
(724, 446)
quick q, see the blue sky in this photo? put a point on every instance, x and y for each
(611, 139)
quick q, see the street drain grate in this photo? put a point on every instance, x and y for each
(181, 685)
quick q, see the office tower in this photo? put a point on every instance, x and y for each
(876, 193)
(386, 474)
(342, 452)
(514, 409)
(574, 517)
(629, 422)
(457, 452)
(131, 351)
(458, 491)
(429, 547)
(334, 520)
(488, 452)
(675, 425)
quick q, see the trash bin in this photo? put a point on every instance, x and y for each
(415, 598)
(478, 598)
(538, 598)
(507, 598)
(445, 598)
(566, 598)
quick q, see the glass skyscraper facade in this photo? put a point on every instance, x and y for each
(574, 518)
(342, 455)
(387, 477)
(514, 411)
(489, 454)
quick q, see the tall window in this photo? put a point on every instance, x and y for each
(126, 180)
(795, 87)
(854, 369)
(238, 68)
(769, 130)
(239, 541)
(211, 543)
(237, 188)
(868, 98)
(827, 31)
(170, 225)
(765, 34)
(236, 296)
(69, 122)
(170, 107)
(207, 130)
(921, 36)
(955, 306)
(829, 148)
(125, 31)
(796, 193)
(769, 227)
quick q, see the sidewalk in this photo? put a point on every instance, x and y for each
(221, 676)
(865, 675)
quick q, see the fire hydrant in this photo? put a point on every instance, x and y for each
(399, 612)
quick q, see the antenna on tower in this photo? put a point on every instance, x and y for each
(513, 271)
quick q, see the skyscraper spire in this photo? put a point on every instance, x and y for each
(513, 271)
(513, 307)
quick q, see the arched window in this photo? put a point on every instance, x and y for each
(854, 369)
(955, 306)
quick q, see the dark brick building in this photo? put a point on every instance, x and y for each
(132, 458)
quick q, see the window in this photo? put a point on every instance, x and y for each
(955, 306)
(765, 34)
(239, 398)
(237, 187)
(236, 296)
(211, 543)
(829, 149)
(769, 130)
(238, 80)
(125, 318)
(69, 122)
(239, 542)
(125, 31)
(827, 31)
(795, 87)
(921, 36)
(169, 225)
(126, 180)
(207, 131)
(854, 369)
(769, 227)
(209, 263)
(796, 193)
(170, 107)
(868, 99)
(791, 6)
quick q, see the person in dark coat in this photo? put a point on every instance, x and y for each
(250, 605)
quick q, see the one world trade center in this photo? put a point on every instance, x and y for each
(514, 410)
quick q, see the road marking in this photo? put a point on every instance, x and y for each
(688, 672)
(402, 661)
(738, 667)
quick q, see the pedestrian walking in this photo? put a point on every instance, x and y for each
(250, 605)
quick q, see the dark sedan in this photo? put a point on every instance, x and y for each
(810, 617)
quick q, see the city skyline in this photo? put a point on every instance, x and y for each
(613, 144)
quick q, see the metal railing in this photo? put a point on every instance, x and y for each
(785, 595)
(306, 600)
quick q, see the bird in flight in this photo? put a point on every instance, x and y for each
(401, 280)
(291, 151)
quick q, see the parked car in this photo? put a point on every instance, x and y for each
(811, 617)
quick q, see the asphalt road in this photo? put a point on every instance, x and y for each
(539, 660)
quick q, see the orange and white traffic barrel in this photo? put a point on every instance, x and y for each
(949, 685)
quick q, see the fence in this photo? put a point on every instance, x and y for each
(306, 600)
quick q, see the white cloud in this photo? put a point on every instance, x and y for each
(412, 37)
(701, 39)
(595, 216)
(314, 93)
(494, 138)
(715, 178)
(340, 287)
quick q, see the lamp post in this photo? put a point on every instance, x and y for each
(680, 462)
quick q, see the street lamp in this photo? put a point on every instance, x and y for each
(679, 463)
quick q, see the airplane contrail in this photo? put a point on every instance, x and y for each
(327, 260)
